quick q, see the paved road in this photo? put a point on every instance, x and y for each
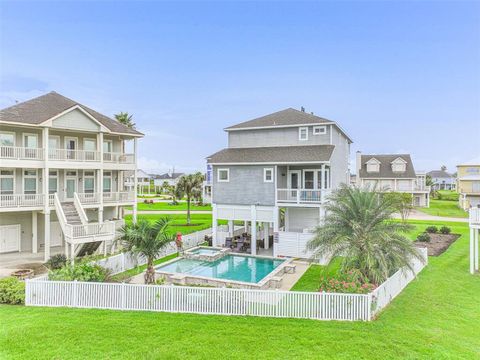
(418, 215)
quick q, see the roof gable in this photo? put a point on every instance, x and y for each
(373, 161)
(385, 170)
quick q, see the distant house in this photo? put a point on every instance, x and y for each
(468, 184)
(392, 172)
(171, 178)
(353, 179)
(143, 182)
(442, 180)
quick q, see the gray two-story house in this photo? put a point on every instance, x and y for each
(274, 178)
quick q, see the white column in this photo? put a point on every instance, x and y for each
(476, 231)
(253, 244)
(135, 181)
(46, 228)
(322, 184)
(230, 228)
(214, 224)
(472, 250)
(276, 226)
(245, 226)
(266, 233)
(34, 232)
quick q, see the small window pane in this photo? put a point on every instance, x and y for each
(89, 185)
(107, 185)
(30, 172)
(6, 186)
(7, 139)
(52, 185)
(223, 175)
(30, 186)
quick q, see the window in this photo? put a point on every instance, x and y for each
(7, 182)
(52, 182)
(107, 182)
(317, 130)
(303, 133)
(7, 139)
(30, 141)
(107, 146)
(268, 175)
(223, 175)
(89, 182)
(373, 165)
(90, 147)
(30, 182)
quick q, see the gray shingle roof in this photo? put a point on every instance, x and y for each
(386, 167)
(281, 118)
(167, 176)
(440, 174)
(42, 108)
(273, 155)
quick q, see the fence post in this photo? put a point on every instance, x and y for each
(369, 304)
(123, 296)
(75, 292)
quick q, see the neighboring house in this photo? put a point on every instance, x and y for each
(62, 166)
(171, 178)
(275, 176)
(393, 172)
(143, 182)
(353, 179)
(468, 184)
(442, 180)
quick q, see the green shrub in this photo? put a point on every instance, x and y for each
(81, 271)
(431, 229)
(445, 230)
(351, 282)
(12, 291)
(56, 262)
(423, 237)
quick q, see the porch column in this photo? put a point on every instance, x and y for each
(276, 226)
(34, 232)
(253, 244)
(46, 229)
(472, 249)
(266, 233)
(322, 184)
(231, 228)
(214, 224)
(135, 181)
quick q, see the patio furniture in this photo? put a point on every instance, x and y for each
(239, 246)
(228, 242)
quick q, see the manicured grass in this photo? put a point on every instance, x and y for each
(164, 206)
(450, 195)
(436, 317)
(310, 281)
(139, 269)
(444, 208)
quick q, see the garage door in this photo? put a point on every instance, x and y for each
(9, 238)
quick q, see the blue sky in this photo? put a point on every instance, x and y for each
(399, 77)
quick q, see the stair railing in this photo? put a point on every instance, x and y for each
(79, 208)
(66, 228)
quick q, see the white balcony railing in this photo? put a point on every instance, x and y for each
(73, 155)
(302, 196)
(122, 196)
(89, 198)
(119, 158)
(474, 216)
(20, 153)
(106, 228)
(21, 200)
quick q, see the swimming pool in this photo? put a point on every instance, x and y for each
(204, 251)
(247, 269)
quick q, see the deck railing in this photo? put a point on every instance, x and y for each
(302, 196)
(474, 216)
(73, 155)
(119, 158)
(20, 153)
(21, 200)
(121, 196)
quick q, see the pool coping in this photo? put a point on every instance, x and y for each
(271, 280)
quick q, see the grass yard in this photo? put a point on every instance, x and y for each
(201, 221)
(450, 195)
(444, 208)
(164, 206)
(436, 317)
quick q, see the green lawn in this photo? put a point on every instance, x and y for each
(444, 208)
(436, 317)
(450, 195)
(139, 269)
(164, 206)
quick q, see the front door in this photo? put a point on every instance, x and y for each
(293, 182)
(70, 185)
(71, 146)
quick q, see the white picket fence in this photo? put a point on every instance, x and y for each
(220, 301)
(126, 261)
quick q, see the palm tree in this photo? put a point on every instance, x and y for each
(359, 229)
(125, 119)
(147, 239)
(189, 186)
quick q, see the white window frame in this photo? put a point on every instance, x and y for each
(10, 133)
(319, 130)
(265, 170)
(9, 177)
(111, 146)
(107, 175)
(85, 177)
(228, 174)
(53, 177)
(29, 134)
(30, 177)
(92, 140)
(300, 133)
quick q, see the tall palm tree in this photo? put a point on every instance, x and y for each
(189, 186)
(125, 119)
(147, 239)
(359, 230)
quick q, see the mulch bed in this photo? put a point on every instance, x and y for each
(38, 268)
(438, 244)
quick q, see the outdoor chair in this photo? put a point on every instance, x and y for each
(228, 242)
(239, 246)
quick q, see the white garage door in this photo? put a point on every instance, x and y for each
(56, 234)
(9, 238)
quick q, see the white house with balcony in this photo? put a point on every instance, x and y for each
(272, 181)
(392, 172)
(62, 168)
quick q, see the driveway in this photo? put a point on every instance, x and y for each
(418, 215)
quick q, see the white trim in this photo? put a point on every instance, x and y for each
(265, 175)
(399, 158)
(11, 133)
(228, 174)
(314, 178)
(29, 177)
(28, 134)
(111, 181)
(273, 162)
(322, 130)
(300, 133)
(373, 160)
(111, 146)
(289, 179)
(56, 176)
(13, 177)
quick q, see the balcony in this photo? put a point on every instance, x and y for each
(77, 234)
(20, 153)
(302, 196)
(108, 197)
(119, 158)
(73, 155)
(474, 217)
(16, 201)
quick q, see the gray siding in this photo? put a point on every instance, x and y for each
(275, 137)
(339, 172)
(246, 186)
(76, 120)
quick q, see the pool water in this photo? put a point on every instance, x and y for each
(202, 251)
(230, 267)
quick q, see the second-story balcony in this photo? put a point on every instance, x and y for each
(21, 153)
(302, 196)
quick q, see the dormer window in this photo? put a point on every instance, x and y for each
(399, 165)
(373, 165)
(319, 130)
(303, 133)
